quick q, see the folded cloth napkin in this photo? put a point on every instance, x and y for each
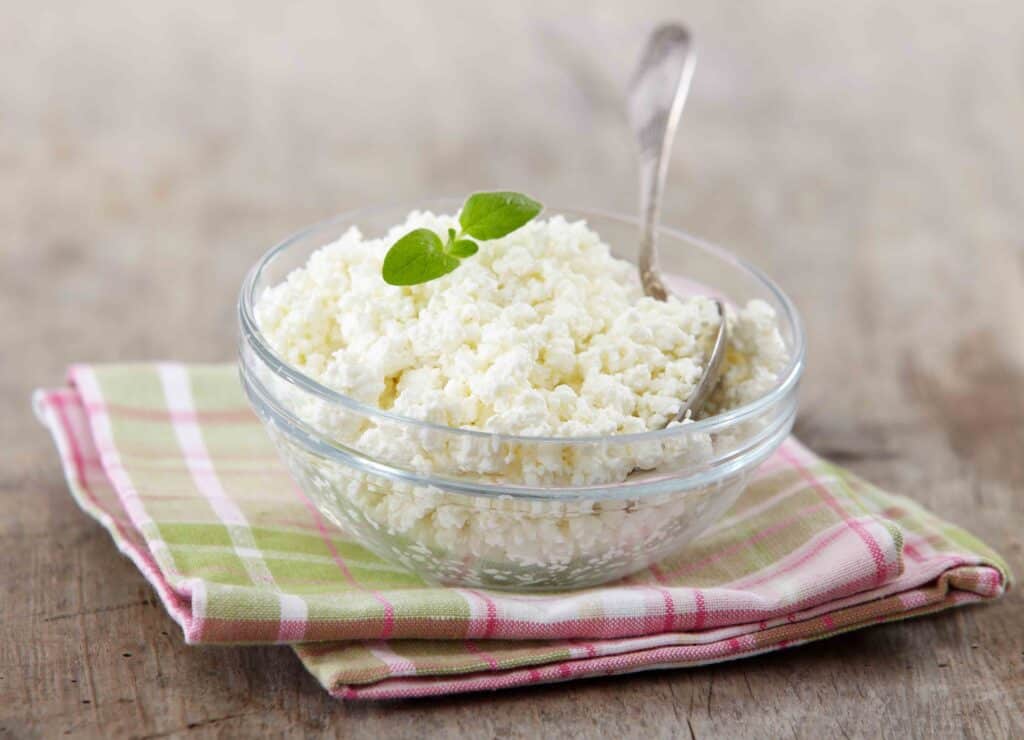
(172, 462)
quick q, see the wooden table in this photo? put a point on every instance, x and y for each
(868, 155)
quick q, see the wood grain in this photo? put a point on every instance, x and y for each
(868, 155)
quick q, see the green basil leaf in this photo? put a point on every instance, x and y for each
(464, 248)
(418, 257)
(493, 215)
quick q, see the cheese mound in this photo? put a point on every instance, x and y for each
(541, 333)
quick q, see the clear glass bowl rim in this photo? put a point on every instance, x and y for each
(788, 378)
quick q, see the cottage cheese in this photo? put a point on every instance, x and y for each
(541, 334)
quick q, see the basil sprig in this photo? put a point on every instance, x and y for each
(420, 256)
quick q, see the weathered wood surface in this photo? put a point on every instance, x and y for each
(869, 155)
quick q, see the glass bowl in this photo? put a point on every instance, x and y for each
(448, 503)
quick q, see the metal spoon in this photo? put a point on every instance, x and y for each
(656, 96)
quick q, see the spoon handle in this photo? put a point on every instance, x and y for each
(656, 96)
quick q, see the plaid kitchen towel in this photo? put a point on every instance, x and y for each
(172, 462)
